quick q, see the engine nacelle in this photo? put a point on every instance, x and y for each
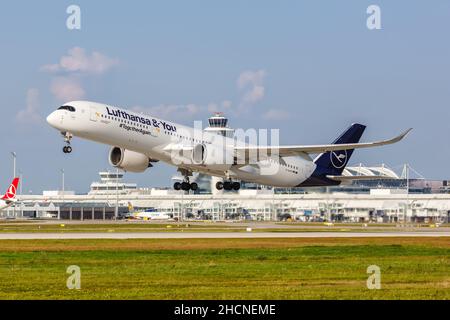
(129, 160)
(212, 155)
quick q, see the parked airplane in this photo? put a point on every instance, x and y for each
(147, 214)
(10, 196)
(150, 214)
(138, 141)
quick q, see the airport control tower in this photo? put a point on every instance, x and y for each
(218, 124)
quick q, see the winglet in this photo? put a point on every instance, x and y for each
(401, 136)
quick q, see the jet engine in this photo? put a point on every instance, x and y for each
(212, 155)
(129, 160)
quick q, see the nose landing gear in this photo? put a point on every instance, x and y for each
(67, 137)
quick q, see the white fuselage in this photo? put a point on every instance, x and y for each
(153, 138)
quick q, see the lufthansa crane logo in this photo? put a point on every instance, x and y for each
(11, 193)
(338, 158)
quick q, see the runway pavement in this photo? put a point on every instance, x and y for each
(216, 235)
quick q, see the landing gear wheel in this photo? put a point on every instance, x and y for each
(67, 149)
(236, 186)
(194, 186)
(219, 185)
(185, 186)
(177, 186)
(227, 185)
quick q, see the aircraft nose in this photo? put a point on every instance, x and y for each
(51, 119)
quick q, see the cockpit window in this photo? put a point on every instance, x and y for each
(68, 108)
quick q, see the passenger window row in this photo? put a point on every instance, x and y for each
(285, 165)
(146, 127)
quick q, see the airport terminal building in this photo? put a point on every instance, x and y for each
(376, 205)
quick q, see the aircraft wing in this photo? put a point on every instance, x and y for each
(362, 177)
(307, 149)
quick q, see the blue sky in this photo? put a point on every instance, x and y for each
(313, 67)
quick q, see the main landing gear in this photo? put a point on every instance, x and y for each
(67, 137)
(228, 185)
(185, 185)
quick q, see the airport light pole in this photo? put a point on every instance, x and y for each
(14, 155)
(182, 206)
(116, 214)
(63, 181)
(21, 182)
(274, 210)
(62, 193)
(407, 193)
(20, 191)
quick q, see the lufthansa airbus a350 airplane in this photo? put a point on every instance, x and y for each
(138, 141)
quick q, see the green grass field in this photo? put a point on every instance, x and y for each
(226, 268)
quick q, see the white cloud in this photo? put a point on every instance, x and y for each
(276, 114)
(182, 112)
(252, 85)
(254, 95)
(72, 68)
(66, 89)
(225, 106)
(78, 61)
(249, 83)
(251, 78)
(30, 114)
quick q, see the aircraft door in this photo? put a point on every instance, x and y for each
(95, 114)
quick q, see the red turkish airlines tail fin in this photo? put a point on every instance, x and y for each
(12, 190)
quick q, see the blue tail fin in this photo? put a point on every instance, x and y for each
(333, 163)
